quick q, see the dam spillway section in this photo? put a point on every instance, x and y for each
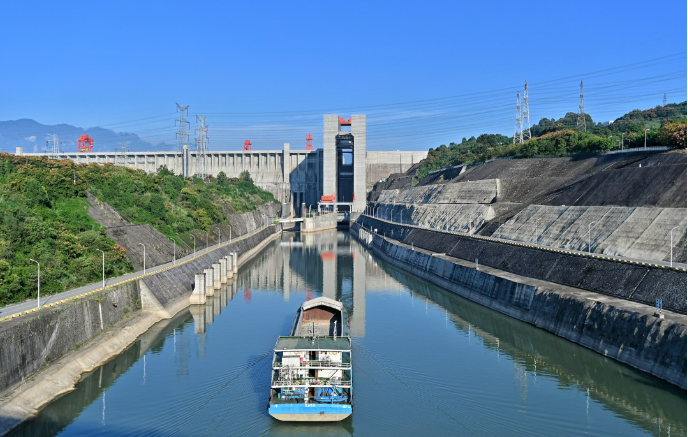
(427, 361)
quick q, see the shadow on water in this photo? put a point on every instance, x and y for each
(61, 412)
(605, 380)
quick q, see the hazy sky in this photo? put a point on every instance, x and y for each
(425, 73)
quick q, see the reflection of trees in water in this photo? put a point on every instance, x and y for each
(638, 397)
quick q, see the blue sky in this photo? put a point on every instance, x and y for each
(425, 73)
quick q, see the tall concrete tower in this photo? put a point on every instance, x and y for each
(344, 159)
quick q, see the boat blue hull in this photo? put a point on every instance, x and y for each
(310, 412)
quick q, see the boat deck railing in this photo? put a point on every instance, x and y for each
(308, 381)
(301, 400)
(315, 364)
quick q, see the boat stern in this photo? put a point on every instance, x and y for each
(310, 412)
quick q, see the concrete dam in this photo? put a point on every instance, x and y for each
(343, 168)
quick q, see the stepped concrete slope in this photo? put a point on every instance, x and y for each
(535, 180)
(486, 191)
(637, 233)
(657, 180)
(466, 218)
(631, 201)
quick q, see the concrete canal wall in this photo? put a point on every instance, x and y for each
(113, 318)
(619, 329)
(633, 281)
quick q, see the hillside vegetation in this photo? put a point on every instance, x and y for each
(666, 126)
(44, 216)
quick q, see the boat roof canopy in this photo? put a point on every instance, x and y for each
(321, 343)
(322, 301)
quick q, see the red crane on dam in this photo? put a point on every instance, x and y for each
(247, 145)
(85, 144)
(309, 142)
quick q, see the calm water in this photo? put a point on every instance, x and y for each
(426, 362)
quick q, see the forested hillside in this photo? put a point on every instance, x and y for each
(665, 125)
(44, 216)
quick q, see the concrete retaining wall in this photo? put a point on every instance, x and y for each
(319, 223)
(631, 281)
(634, 337)
(29, 343)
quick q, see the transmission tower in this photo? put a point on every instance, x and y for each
(54, 147)
(122, 156)
(201, 148)
(665, 99)
(518, 131)
(182, 134)
(526, 114)
(581, 113)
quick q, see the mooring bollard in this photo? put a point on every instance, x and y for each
(216, 276)
(209, 290)
(223, 270)
(198, 293)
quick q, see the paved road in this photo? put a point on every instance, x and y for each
(17, 308)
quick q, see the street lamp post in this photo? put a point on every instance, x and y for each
(589, 224)
(207, 236)
(537, 228)
(39, 282)
(218, 237)
(622, 134)
(646, 137)
(144, 257)
(230, 232)
(103, 266)
(194, 238)
(671, 248)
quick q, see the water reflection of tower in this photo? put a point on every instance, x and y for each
(357, 320)
(329, 266)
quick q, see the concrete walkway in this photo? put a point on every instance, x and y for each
(9, 311)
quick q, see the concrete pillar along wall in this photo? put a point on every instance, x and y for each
(198, 293)
(230, 266)
(217, 281)
(209, 289)
(223, 270)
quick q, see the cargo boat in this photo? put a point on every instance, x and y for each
(311, 368)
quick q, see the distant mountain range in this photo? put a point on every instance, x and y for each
(35, 137)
